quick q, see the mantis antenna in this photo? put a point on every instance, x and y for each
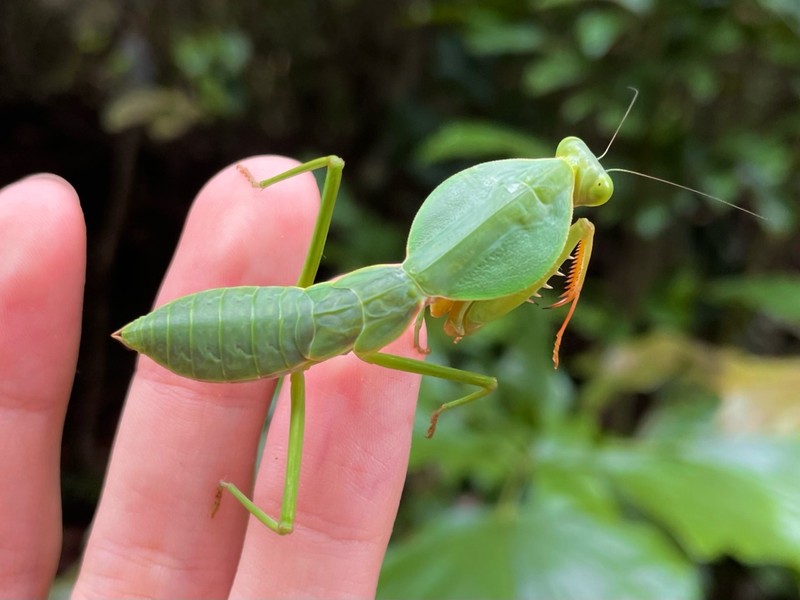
(672, 183)
(688, 189)
(625, 116)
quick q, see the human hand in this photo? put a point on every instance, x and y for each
(153, 534)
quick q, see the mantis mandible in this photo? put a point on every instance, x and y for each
(483, 243)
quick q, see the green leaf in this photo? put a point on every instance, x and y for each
(775, 295)
(549, 550)
(737, 497)
(565, 469)
(640, 7)
(165, 113)
(758, 394)
(552, 72)
(199, 55)
(643, 364)
(492, 38)
(466, 454)
(692, 416)
(597, 31)
(788, 10)
(476, 139)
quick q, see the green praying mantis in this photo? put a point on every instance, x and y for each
(485, 241)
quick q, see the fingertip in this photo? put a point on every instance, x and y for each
(43, 209)
(42, 273)
(45, 177)
(43, 191)
(238, 234)
(44, 235)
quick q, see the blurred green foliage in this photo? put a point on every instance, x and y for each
(657, 462)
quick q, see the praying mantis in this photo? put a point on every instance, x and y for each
(485, 241)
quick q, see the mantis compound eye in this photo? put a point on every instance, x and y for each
(600, 191)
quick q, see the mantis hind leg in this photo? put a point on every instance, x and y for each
(285, 523)
(330, 189)
(411, 365)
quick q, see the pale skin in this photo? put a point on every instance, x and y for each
(153, 534)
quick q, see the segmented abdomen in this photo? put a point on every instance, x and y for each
(244, 333)
(227, 334)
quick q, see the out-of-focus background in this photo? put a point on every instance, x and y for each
(662, 460)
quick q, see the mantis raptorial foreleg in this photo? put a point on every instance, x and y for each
(466, 317)
(581, 238)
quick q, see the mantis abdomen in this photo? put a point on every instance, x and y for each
(244, 333)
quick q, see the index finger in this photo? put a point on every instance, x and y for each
(153, 535)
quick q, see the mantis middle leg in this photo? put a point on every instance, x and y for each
(412, 365)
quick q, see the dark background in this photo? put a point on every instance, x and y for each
(666, 445)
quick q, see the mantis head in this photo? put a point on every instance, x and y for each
(593, 186)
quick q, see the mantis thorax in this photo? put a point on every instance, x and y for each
(593, 186)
